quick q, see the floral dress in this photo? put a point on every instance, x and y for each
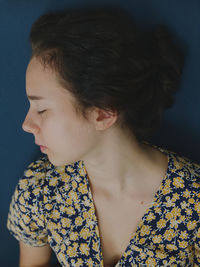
(54, 205)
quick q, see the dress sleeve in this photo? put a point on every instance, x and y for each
(26, 220)
(197, 247)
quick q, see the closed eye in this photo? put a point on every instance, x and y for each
(42, 111)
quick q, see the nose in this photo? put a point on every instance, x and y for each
(29, 126)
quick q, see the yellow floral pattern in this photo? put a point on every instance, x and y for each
(55, 205)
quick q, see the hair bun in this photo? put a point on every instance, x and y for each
(167, 49)
(166, 61)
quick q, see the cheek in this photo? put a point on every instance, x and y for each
(68, 139)
(63, 133)
(79, 142)
(76, 135)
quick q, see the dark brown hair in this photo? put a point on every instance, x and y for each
(105, 62)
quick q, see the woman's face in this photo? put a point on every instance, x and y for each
(66, 136)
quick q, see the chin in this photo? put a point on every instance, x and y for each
(53, 161)
(57, 162)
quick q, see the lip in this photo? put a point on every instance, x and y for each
(39, 144)
(43, 148)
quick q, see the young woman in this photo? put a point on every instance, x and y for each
(102, 195)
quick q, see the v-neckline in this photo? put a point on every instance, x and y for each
(155, 197)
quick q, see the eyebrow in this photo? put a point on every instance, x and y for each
(33, 97)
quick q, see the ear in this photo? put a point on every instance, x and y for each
(104, 119)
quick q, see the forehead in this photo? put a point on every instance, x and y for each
(43, 82)
(38, 77)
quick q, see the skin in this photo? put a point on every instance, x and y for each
(115, 162)
(121, 171)
(34, 256)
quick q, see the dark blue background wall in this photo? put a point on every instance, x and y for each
(180, 130)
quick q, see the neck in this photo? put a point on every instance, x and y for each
(119, 165)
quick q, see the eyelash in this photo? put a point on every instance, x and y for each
(40, 112)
